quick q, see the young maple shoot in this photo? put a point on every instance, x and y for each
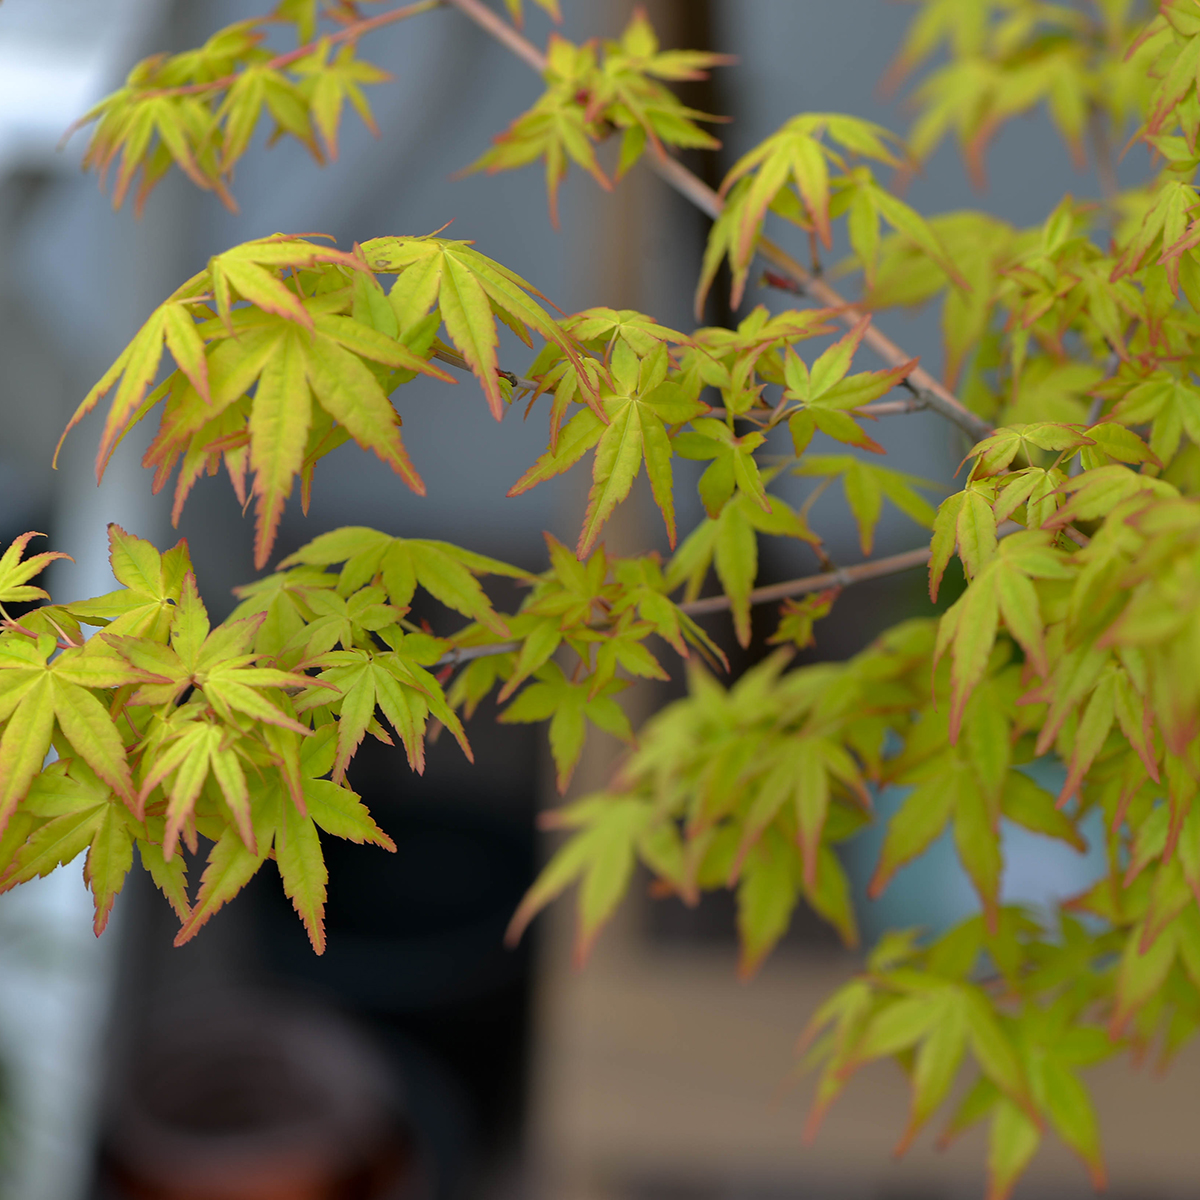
(1076, 521)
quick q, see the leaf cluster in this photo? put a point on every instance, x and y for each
(599, 89)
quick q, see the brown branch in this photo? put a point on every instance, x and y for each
(875, 568)
(881, 408)
(925, 387)
(842, 577)
(453, 658)
(453, 359)
(503, 32)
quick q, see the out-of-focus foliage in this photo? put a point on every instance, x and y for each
(598, 89)
(1076, 523)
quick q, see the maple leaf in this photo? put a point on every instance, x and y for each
(592, 90)
(326, 86)
(471, 291)
(285, 602)
(829, 398)
(39, 695)
(797, 618)
(733, 465)
(290, 834)
(865, 487)
(145, 605)
(76, 810)
(798, 153)
(1001, 587)
(447, 572)
(16, 572)
(730, 541)
(396, 682)
(568, 706)
(294, 369)
(185, 749)
(218, 663)
(643, 589)
(601, 855)
(640, 407)
(557, 128)
(297, 349)
(516, 10)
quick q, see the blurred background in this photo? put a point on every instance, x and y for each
(419, 1058)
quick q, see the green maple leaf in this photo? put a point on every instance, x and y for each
(16, 572)
(641, 406)
(185, 749)
(730, 542)
(829, 398)
(334, 807)
(1171, 407)
(328, 85)
(797, 618)
(516, 11)
(446, 572)
(259, 86)
(298, 352)
(77, 811)
(601, 856)
(39, 695)
(867, 205)
(643, 589)
(766, 895)
(568, 706)
(472, 292)
(625, 93)
(865, 487)
(396, 683)
(232, 863)
(145, 605)
(733, 465)
(1002, 587)
(290, 834)
(218, 663)
(285, 603)
(796, 153)
(600, 328)
(558, 128)
(302, 13)
(337, 621)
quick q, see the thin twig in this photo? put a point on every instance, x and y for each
(926, 388)
(453, 658)
(1106, 173)
(842, 577)
(452, 359)
(882, 408)
(522, 47)
(888, 408)
(923, 386)
(875, 568)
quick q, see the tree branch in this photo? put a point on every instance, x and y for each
(840, 578)
(502, 31)
(924, 386)
(452, 359)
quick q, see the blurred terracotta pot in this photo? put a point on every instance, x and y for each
(248, 1099)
